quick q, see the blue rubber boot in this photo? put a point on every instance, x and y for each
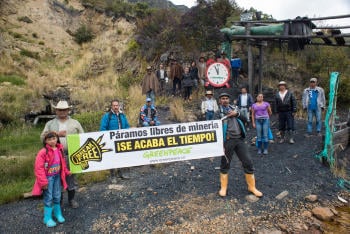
(58, 213)
(48, 221)
(259, 145)
(266, 145)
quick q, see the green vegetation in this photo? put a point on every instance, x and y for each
(31, 54)
(89, 120)
(13, 79)
(18, 147)
(83, 34)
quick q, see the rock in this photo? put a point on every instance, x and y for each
(306, 214)
(269, 231)
(169, 223)
(251, 198)
(282, 195)
(27, 195)
(311, 198)
(116, 225)
(323, 213)
(118, 187)
(149, 189)
(283, 227)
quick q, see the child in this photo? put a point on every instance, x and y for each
(50, 171)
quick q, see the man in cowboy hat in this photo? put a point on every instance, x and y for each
(64, 125)
(209, 105)
(286, 107)
(234, 134)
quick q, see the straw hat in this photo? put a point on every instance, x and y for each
(208, 92)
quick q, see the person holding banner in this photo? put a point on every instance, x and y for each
(50, 176)
(234, 133)
(64, 125)
(113, 120)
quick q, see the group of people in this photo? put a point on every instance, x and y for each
(51, 166)
(258, 112)
(52, 169)
(234, 116)
(184, 77)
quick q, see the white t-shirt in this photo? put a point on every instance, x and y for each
(244, 100)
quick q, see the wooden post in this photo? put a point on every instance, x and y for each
(260, 67)
(250, 60)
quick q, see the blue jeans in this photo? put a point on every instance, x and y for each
(209, 115)
(146, 124)
(53, 192)
(310, 114)
(262, 129)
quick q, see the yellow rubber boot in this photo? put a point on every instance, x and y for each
(224, 183)
(251, 185)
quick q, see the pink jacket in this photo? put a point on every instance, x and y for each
(46, 155)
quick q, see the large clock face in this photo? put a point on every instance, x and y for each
(218, 74)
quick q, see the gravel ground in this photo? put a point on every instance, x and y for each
(181, 197)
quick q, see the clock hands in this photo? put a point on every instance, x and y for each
(217, 70)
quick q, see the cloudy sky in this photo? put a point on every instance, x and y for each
(289, 9)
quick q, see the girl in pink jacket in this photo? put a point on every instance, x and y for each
(50, 171)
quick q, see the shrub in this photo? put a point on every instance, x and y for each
(31, 54)
(83, 34)
(133, 46)
(128, 79)
(90, 121)
(13, 79)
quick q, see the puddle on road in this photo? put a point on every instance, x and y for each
(341, 223)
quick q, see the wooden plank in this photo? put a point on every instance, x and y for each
(341, 137)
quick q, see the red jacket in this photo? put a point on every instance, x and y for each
(46, 155)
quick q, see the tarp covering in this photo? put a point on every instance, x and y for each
(273, 29)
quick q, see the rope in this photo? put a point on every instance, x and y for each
(328, 150)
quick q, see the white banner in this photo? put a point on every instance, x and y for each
(95, 151)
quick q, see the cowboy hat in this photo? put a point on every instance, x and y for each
(282, 83)
(62, 105)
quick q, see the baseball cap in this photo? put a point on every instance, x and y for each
(148, 99)
(224, 95)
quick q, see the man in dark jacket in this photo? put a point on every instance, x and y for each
(234, 134)
(244, 103)
(286, 107)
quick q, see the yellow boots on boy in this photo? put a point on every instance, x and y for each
(250, 179)
(250, 182)
(224, 183)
